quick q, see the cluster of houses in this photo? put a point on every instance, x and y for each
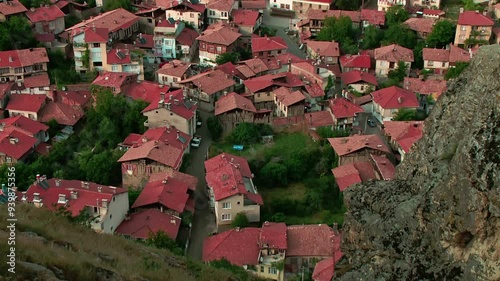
(273, 87)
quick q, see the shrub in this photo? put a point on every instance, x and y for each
(240, 220)
(273, 174)
(214, 127)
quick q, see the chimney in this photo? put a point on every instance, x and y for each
(335, 227)
(461, 10)
(400, 100)
(162, 96)
(232, 160)
(13, 140)
(24, 198)
(164, 181)
(178, 134)
(53, 95)
(477, 11)
(58, 182)
(86, 185)
(485, 13)
(237, 229)
(74, 194)
(171, 97)
(10, 59)
(176, 102)
(140, 35)
(167, 105)
(104, 203)
(36, 197)
(62, 199)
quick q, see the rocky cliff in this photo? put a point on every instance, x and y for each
(440, 218)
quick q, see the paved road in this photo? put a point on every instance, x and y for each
(203, 220)
(280, 24)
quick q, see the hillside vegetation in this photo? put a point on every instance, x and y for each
(49, 247)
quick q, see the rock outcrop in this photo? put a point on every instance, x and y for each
(440, 218)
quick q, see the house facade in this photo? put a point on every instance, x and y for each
(358, 148)
(388, 57)
(436, 59)
(217, 39)
(384, 5)
(46, 19)
(173, 72)
(17, 64)
(220, 10)
(194, 14)
(402, 135)
(323, 51)
(289, 103)
(473, 28)
(388, 102)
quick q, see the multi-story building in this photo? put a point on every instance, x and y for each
(194, 14)
(288, 103)
(264, 47)
(173, 72)
(473, 28)
(106, 205)
(26, 126)
(187, 44)
(323, 51)
(165, 33)
(126, 58)
(384, 5)
(431, 4)
(15, 65)
(358, 148)
(231, 189)
(248, 21)
(11, 8)
(93, 38)
(46, 19)
(220, 10)
(217, 39)
(388, 101)
(26, 105)
(388, 57)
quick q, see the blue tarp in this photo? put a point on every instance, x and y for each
(238, 147)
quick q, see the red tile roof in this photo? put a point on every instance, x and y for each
(427, 87)
(145, 41)
(346, 175)
(190, 180)
(24, 125)
(314, 14)
(319, 119)
(356, 76)
(220, 5)
(170, 193)
(113, 58)
(373, 16)
(220, 33)
(245, 17)
(312, 241)
(343, 108)
(315, 90)
(458, 54)
(157, 151)
(49, 37)
(348, 145)
(233, 101)
(238, 246)
(355, 61)
(211, 82)
(174, 137)
(405, 133)
(11, 8)
(474, 18)
(265, 44)
(63, 114)
(200, 8)
(253, 4)
(93, 35)
(183, 108)
(113, 79)
(394, 53)
(421, 24)
(395, 98)
(384, 167)
(130, 139)
(61, 4)
(228, 68)
(37, 81)
(72, 97)
(433, 12)
(273, 235)
(226, 173)
(145, 90)
(324, 48)
(244, 71)
(25, 57)
(175, 68)
(287, 97)
(325, 269)
(15, 144)
(187, 37)
(90, 196)
(291, 120)
(113, 21)
(144, 223)
(44, 14)
(5, 88)
(26, 102)
(42, 148)
(436, 54)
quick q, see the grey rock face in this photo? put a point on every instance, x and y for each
(440, 218)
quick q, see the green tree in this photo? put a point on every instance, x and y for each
(267, 31)
(400, 35)
(115, 4)
(396, 15)
(227, 57)
(16, 33)
(351, 5)
(418, 58)
(274, 174)
(340, 30)
(245, 133)
(34, 3)
(214, 127)
(241, 220)
(238, 271)
(470, 5)
(405, 114)
(443, 33)
(62, 70)
(399, 73)
(329, 84)
(372, 37)
(162, 241)
(454, 72)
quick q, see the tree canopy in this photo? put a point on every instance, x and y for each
(241, 220)
(372, 37)
(340, 30)
(351, 5)
(16, 33)
(227, 57)
(115, 4)
(454, 72)
(443, 33)
(396, 15)
(399, 73)
(400, 35)
(405, 114)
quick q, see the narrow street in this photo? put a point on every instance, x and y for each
(280, 24)
(203, 220)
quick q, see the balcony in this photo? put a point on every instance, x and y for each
(79, 45)
(269, 259)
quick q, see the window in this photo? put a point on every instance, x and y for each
(287, 6)
(226, 205)
(96, 45)
(272, 270)
(282, 5)
(40, 88)
(95, 209)
(150, 20)
(444, 64)
(97, 63)
(463, 28)
(113, 199)
(219, 50)
(262, 267)
(8, 159)
(110, 216)
(238, 202)
(226, 217)
(430, 63)
(191, 15)
(462, 37)
(129, 167)
(114, 68)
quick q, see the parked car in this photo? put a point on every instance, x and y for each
(195, 142)
(371, 123)
(198, 123)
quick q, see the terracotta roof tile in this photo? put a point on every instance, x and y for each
(312, 241)
(16, 144)
(63, 114)
(211, 82)
(113, 79)
(11, 8)
(244, 71)
(44, 14)
(356, 76)
(394, 53)
(315, 90)
(432, 12)
(324, 48)
(26, 102)
(395, 97)
(24, 125)
(190, 180)
(384, 167)
(49, 37)
(348, 145)
(273, 235)
(168, 192)
(346, 176)
(145, 90)
(113, 20)
(373, 16)
(170, 135)
(315, 14)
(343, 108)
(157, 151)
(319, 119)
(184, 108)
(243, 17)
(421, 24)
(238, 246)
(219, 33)
(144, 223)
(145, 41)
(427, 87)
(355, 61)
(253, 4)
(233, 101)
(287, 97)
(325, 269)
(436, 54)
(37, 81)
(25, 57)
(187, 37)
(458, 54)
(175, 68)
(220, 5)
(265, 44)
(257, 65)
(86, 197)
(474, 18)
(405, 133)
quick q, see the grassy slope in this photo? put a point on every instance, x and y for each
(77, 253)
